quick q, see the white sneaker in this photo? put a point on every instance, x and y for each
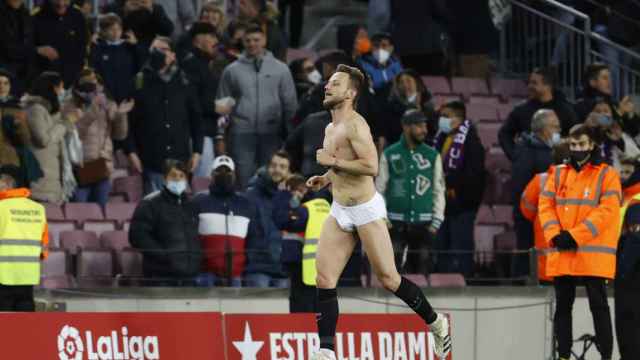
(324, 354)
(441, 336)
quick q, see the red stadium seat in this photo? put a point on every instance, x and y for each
(56, 227)
(99, 226)
(131, 186)
(447, 280)
(199, 184)
(53, 212)
(56, 263)
(437, 84)
(482, 112)
(94, 268)
(120, 212)
(72, 241)
(469, 86)
(488, 132)
(509, 88)
(114, 240)
(81, 212)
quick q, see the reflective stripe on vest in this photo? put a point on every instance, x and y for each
(585, 249)
(318, 213)
(22, 224)
(581, 201)
(623, 209)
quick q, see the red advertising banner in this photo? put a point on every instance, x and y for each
(112, 336)
(359, 337)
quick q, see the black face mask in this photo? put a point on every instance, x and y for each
(157, 59)
(580, 156)
(223, 183)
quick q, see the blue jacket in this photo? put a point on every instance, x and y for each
(118, 66)
(380, 75)
(293, 220)
(264, 256)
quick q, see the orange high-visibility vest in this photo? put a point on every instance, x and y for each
(529, 208)
(587, 205)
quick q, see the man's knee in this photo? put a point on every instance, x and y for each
(389, 280)
(325, 281)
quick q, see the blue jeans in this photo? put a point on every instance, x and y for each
(251, 151)
(259, 280)
(206, 159)
(153, 181)
(98, 193)
(456, 234)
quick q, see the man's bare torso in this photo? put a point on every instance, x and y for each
(347, 189)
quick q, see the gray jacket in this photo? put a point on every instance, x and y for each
(265, 99)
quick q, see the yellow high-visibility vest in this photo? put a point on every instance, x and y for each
(625, 206)
(22, 226)
(318, 213)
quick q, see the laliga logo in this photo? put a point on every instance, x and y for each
(71, 346)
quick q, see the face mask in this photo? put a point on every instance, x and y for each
(314, 77)
(294, 203)
(605, 120)
(555, 139)
(157, 59)
(580, 156)
(381, 55)
(412, 99)
(363, 46)
(444, 124)
(62, 96)
(224, 182)
(177, 187)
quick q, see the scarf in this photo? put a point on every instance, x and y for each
(455, 156)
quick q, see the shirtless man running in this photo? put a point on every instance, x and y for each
(350, 153)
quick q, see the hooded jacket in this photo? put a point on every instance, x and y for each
(264, 92)
(531, 156)
(381, 75)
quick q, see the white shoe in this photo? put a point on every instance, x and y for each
(441, 336)
(324, 354)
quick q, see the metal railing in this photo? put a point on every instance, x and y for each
(547, 33)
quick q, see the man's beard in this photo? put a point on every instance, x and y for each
(418, 139)
(332, 103)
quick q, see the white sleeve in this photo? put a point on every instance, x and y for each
(439, 194)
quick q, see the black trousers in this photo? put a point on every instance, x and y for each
(627, 308)
(302, 298)
(565, 287)
(17, 298)
(418, 242)
(524, 235)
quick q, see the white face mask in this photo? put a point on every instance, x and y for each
(381, 55)
(555, 139)
(314, 77)
(177, 187)
(412, 99)
(444, 124)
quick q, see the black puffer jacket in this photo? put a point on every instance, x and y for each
(17, 51)
(146, 25)
(205, 81)
(165, 228)
(531, 156)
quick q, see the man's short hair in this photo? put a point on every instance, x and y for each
(108, 20)
(592, 71)
(629, 160)
(458, 108)
(377, 38)
(282, 154)
(356, 79)
(254, 28)
(582, 129)
(547, 74)
(295, 181)
(171, 164)
(164, 39)
(203, 28)
(539, 119)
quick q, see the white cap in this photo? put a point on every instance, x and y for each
(223, 160)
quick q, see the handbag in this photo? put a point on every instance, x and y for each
(92, 172)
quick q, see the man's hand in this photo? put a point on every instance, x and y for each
(564, 241)
(126, 106)
(432, 231)
(130, 37)
(136, 164)
(626, 106)
(317, 183)
(147, 4)
(325, 159)
(193, 163)
(48, 52)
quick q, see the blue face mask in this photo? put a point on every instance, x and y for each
(177, 187)
(444, 124)
(555, 139)
(605, 120)
(62, 96)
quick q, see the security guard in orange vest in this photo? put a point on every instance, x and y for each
(23, 243)
(580, 216)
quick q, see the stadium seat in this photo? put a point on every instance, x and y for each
(294, 54)
(437, 84)
(99, 226)
(57, 282)
(485, 215)
(120, 160)
(417, 279)
(487, 99)
(469, 86)
(488, 133)
(505, 241)
(120, 212)
(81, 212)
(74, 240)
(446, 280)
(509, 88)
(53, 212)
(129, 267)
(131, 186)
(94, 268)
(118, 173)
(126, 226)
(503, 214)
(199, 184)
(441, 99)
(56, 227)
(504, 110)
(482, 112)
(114, 240)
(116, 198)
(483, 239)
(55, 264)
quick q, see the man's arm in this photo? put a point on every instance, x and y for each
(366, 162)
(383, 175)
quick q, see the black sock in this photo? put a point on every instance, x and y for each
(411, 294)
(327, 318)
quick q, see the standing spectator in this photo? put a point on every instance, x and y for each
(166, 119)
(463, 163)
(17, 49)
(542, 95)
(580, 216)
(210, 14)
(48, 127)
(265, 97)
(200, 65)
(181, 13)
(114, 59)
(303, 142)
(228, 223)
(305, 75)
(265, 15)
(23, 224)
(381, 64)
(411, 180)
(146, 19)
(164, 227)
(532, 155)
(264, 268)
(102, 121)
(61, 33)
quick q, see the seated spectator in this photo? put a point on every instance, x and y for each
(146, 19)
(181, 13)
(228, 223)
(61, 32)
(210, 14)
(264, 268)
(168, 109)
(48, 125)
(303, 142)
(265, 15)
(204, 65)
(102, 121)
(305, 76)
(542, 95)
(164, 228)
(597, 86)
(381, 64)
(407, 92)
(353, 40)
(265, 104)
(116, 60)
(17, 48)
(463, 163)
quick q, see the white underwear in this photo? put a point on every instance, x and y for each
(350, 217)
